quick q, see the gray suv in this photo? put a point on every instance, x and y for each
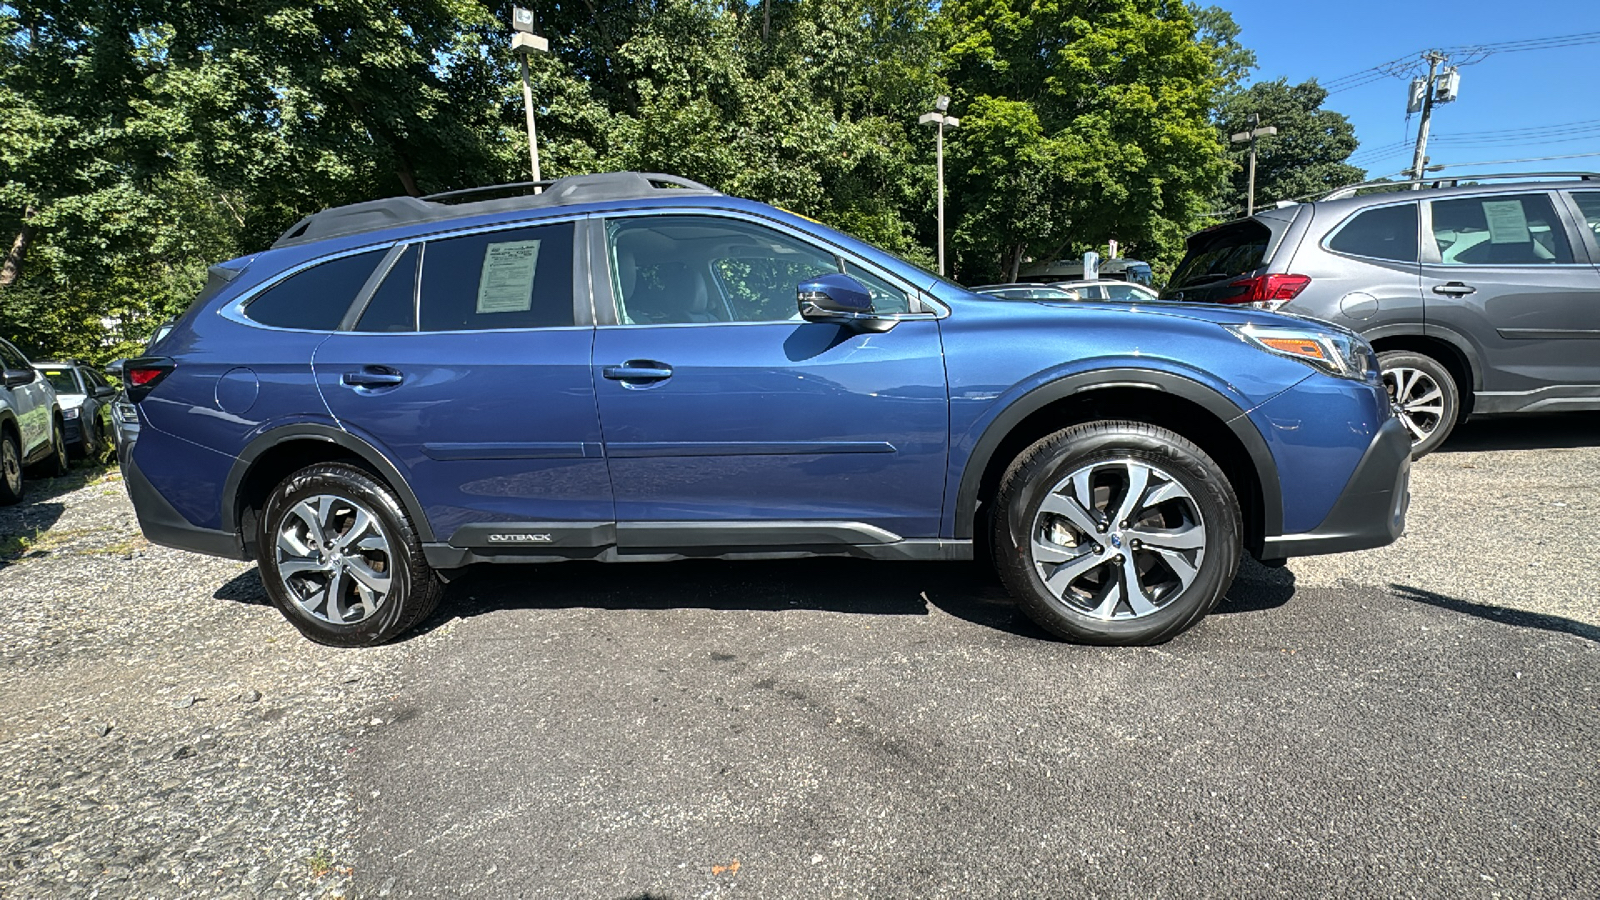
(1480, 299)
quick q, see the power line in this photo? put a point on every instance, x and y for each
(1468, 54)
(1503, 162)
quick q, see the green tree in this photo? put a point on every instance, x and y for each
(1084, 121)
(1308, 154)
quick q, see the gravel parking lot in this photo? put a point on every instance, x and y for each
(1419, 720)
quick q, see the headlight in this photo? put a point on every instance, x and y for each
(71, 413)
(1341, 355)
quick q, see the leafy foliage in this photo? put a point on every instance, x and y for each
(141, 140)
(1307, 155)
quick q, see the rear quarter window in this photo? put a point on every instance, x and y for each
(317, 298)
(1387, 232)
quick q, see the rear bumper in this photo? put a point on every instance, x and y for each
(166, 526)
(1371, 512)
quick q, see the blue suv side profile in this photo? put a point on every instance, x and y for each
(632, 367)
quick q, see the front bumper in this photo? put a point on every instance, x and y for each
(1370, 512)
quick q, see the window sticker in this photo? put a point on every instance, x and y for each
(1507, 223)
(506, 281)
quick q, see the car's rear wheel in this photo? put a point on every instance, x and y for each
(1116, 533)
(341, 559)
(56, 464)
(1425, 397)
(10, 469)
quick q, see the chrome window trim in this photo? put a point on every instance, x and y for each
(233, 310)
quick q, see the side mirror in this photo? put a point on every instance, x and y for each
(105, 391)
(19, 377)
(114, 368)
(841, 300)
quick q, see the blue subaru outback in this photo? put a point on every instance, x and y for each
(632, 367)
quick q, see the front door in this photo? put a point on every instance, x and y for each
(468, 367)
(1505, 274)
(730, 422)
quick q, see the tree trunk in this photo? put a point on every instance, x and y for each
(12, 268)
(1014, 268)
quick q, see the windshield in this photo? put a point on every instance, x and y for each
(1226, 251)
(65, 381)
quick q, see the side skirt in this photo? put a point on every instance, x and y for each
(546, 542)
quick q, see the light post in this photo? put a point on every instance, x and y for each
(524, 42)
(1251, 135)
(939, 118)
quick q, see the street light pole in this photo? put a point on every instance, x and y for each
(1251, 135)
(524, 42)
(939, 118)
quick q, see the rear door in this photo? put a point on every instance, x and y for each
(468, 365)
(731, 422)
(1511, 274)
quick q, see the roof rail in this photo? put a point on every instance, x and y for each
(374, 215)
(1350, 190)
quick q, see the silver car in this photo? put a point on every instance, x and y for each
(1480, 299)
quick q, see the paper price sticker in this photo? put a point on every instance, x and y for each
(506, 280)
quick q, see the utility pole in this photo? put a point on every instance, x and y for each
(938, 116)
(1251, 135)
(1441, 87)
(524, 42)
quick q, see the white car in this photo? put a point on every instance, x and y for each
(32, 431)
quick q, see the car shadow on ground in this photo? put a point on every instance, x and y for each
(1534, 431)
(24, 524)
(1516, 617)
(245, 587)
(967, 590)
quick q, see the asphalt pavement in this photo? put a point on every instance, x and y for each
(1421, 720)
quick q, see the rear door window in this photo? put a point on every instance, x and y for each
(519, 278)
(1226, 251)
(315, 299)
(1500, 230)
(1386, 232)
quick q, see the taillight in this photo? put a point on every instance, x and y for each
(143, 374)
(1267, 291)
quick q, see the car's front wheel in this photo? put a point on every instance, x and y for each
(10, 469)
(1425, 397)
(341, 559)
(1116, 533)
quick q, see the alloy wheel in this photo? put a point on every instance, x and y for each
(1418, 400)
(11, 466)
(334, 559)
(1118, 539)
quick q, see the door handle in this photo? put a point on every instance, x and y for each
(638, 370)
(1454, 289)
(372, 376)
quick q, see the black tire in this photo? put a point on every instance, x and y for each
(1203, 506)
(413, 587)
(11, 486)
(1429, 418)
(56, 464)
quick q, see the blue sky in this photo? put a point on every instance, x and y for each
(1540, 89)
